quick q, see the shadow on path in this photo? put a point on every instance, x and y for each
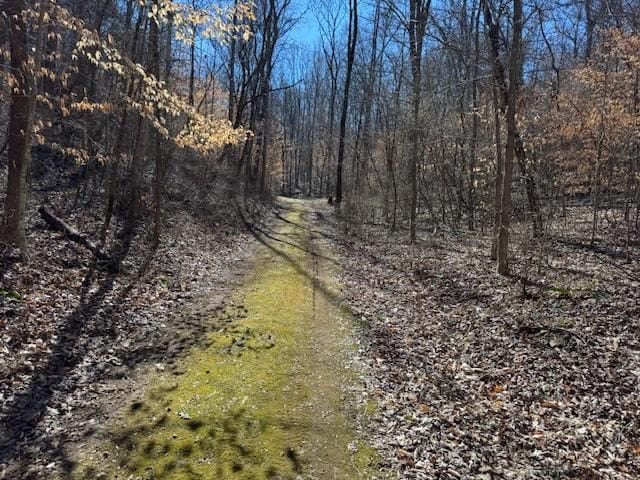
(22, 414)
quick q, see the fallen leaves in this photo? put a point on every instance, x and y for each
(477, 381)
(57, 309)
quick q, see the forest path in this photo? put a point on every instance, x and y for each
(271, 394)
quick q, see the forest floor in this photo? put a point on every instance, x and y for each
(72, 332)
(480, 378)
(229, 355)
(273, 392)
(267, 383)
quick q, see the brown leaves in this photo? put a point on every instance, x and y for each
(496, 390)
(549, 404)
(405, 457)
(594, 116)
(131, 322)
(463, 384)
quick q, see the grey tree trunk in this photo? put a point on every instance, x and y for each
(499, 174)
(515, 67)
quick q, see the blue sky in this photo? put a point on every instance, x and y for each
(306, 32)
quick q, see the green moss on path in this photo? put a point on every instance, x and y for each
(268, 398)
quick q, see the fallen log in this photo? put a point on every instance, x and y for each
(59, 225)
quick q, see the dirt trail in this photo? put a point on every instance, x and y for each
(272, 394)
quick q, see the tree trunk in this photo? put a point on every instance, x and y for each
(192, 65)
(475, 126)
(417, 25)
(21, 116)
(59, 225)
(590, 25)
(154, 51)
(415, 150)
(499, 175)
(351, 51)
(515, 67)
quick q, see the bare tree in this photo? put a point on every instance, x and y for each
(351, 52)
(417, 27)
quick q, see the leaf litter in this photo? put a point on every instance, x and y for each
(476, 380)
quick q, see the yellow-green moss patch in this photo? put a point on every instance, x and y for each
(265, 399)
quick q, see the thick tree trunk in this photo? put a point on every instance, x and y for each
(590, 25)
(21, 113)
